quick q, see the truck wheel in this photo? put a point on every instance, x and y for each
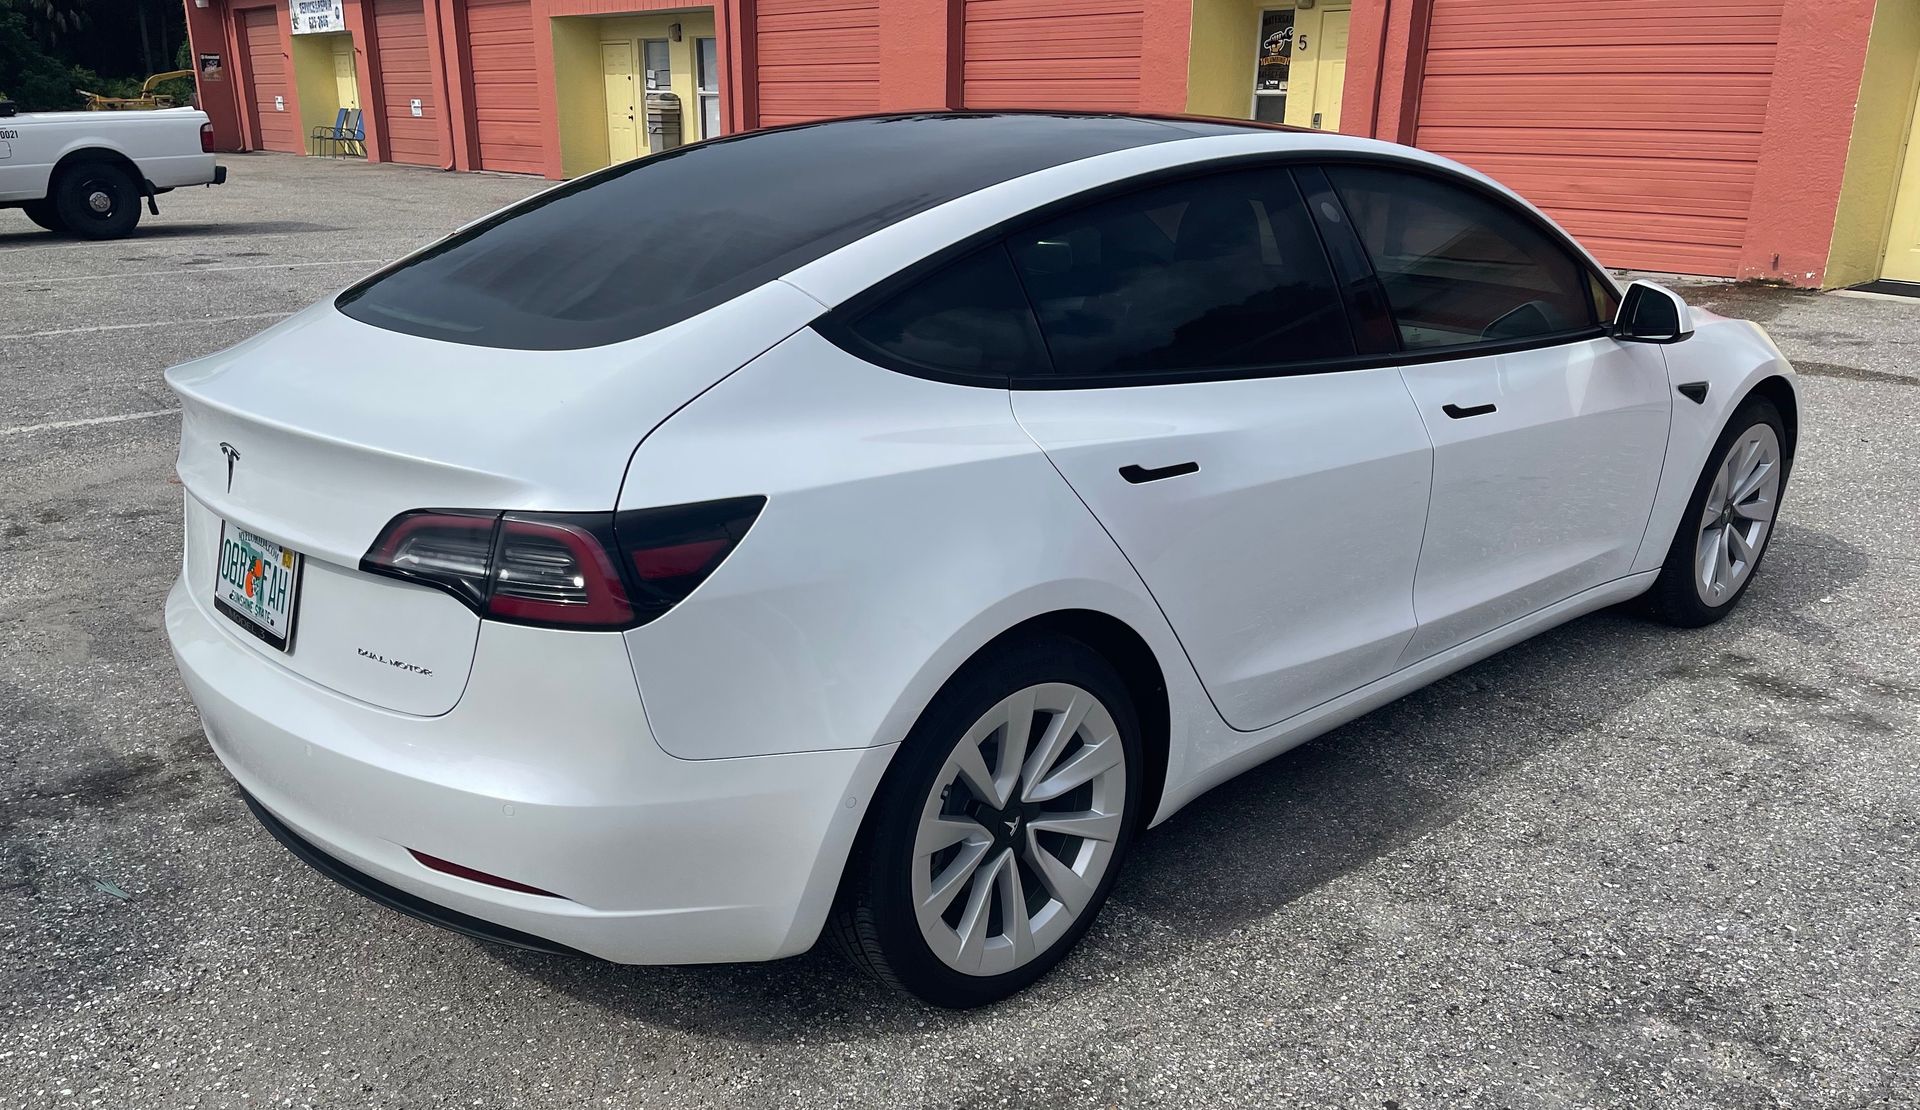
(97, 200)
(44, 213)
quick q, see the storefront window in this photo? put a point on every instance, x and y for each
(1270, 75)
(707, 68)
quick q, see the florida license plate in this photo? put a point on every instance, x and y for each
(257, 585)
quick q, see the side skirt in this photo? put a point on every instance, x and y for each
(1330, 715)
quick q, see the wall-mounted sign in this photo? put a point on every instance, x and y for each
(210, 68)
(279, 103)
(414, 106)
(312, 17)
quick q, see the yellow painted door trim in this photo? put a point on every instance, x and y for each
(622, 101)
(1902, 260)
(1319, 71)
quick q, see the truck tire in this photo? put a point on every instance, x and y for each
(97, 200)
(44, 213)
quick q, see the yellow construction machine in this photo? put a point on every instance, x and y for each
(146, 101)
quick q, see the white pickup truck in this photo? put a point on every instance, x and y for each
(88, 173)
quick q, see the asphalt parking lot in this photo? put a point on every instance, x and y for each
(1617, 866)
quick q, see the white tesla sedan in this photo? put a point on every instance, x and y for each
(868, 527)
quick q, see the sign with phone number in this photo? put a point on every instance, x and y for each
(311, 17)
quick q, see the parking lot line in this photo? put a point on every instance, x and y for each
(145, 324)
(56, 425)
(186, 271)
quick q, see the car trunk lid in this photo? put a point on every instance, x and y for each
(316, 433)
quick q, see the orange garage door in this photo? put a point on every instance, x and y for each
(400, 45)
(1053, 54)
(274, 121)
(506, 113)
(1635, 123)
(816, 58)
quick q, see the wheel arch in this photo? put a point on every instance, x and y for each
(106, 154)
(1777, 389)
(1130, 654)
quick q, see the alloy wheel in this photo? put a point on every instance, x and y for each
(1738, 515)
(1019, 829)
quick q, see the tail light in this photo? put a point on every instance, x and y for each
(206, 138)
(564, 570)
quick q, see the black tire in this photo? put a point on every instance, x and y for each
(1674, 597)
(97, 200)
(873, 922)
(44, 213)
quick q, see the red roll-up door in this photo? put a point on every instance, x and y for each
(1635, 123)
(505, 100)
(274, 121)
(400, 52)
(816, 58)
(1053, 54)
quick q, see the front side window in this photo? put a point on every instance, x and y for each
(1459, 267)
(1214, 273)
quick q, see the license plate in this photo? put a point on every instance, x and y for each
(257, 585)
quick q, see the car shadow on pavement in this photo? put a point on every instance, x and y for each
(30, 236)
(1245, 850)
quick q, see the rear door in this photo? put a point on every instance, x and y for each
(1549, 435)
(1207, 406)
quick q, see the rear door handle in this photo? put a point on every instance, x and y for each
(1459, 413)
(1137, 474)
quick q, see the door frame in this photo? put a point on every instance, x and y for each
(1899, 179)
(634, 66)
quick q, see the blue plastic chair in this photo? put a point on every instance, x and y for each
(355, 140)
(322, 135)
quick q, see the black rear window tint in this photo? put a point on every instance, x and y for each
(653, 242)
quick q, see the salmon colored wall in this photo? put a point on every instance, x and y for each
(920, 60)
(207, 31)
(1803, 151)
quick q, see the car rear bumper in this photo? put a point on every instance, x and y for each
(545, 773)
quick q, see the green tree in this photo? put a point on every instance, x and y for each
(28, 74)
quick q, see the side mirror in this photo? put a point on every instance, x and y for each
(1652, 313)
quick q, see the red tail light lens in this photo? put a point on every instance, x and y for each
(206, 138)
(565, 570)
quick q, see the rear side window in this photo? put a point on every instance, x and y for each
(969, 318)
(1460, 267)
(1213, 273)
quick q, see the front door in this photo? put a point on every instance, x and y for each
(1903, 234)
(1318, 75)
(1272, 504)
(1548, 436)
(346, 84)
(616, 65)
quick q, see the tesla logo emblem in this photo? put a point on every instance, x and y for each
(1013, 826)
(233, 456)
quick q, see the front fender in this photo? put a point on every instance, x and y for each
(1732, 358)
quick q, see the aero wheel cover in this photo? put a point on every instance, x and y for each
(1019, 829)
(1738, 515)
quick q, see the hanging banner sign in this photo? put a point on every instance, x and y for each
(312, 17)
